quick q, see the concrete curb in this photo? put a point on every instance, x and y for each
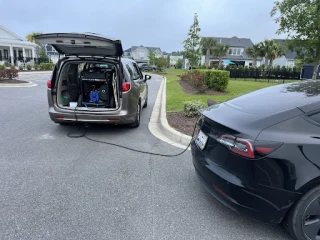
(34, 72)
(158, 124)
(29, 84)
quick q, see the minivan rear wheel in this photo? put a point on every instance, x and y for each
(136, 123)
(303, 220)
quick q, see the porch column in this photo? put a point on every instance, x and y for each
(33, 53)
(23, 53)
(11, 55)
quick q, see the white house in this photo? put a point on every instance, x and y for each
(174, 59)
(14, 49)
(237, 51)
(140, 53)
(288, 60)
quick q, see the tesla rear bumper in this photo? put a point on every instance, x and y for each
(259, 202)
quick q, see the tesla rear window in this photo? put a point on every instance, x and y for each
(277, 98)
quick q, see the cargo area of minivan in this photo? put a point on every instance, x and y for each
(88, 86)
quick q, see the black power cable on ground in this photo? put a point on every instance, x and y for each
(84, 134)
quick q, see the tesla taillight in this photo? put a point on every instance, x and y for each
(49, 84)
(125, 87)
(245, 147)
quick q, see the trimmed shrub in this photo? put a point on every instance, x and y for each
(20, 68)
(29, 67)
(12, 66)
(2, 67)
(7, 64)
(191, 108)
(216, 79)
(11, 73)
(36, 66)
(2, 74)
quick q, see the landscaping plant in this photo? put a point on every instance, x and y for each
(191, 108)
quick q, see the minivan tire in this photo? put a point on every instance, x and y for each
(136, 123)
(296, 218)
(145, 103)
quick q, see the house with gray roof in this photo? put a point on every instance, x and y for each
(288, 60)
(237, 51)
(140, 53)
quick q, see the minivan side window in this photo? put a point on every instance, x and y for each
(130, 71)
(136, 74)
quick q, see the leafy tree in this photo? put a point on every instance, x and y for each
(254, 52)
(300, 19)
(161, 63)
(152, 57)
(207, 46)
(30, 37)
(43, 54)
(192, 44)
(179, 63)
(220, 51)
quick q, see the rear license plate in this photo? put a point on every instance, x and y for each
(201, 140)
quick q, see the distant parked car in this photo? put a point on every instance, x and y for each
(147, 67)
(259, 155)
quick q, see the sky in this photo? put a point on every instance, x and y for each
(151, 23)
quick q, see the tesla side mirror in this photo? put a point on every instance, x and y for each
(147, 77)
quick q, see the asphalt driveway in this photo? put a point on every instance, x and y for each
(55, 187)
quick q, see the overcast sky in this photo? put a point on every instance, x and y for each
(153, 23)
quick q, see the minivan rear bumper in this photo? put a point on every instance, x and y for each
(111, 117)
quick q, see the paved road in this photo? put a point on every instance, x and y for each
(54, 187)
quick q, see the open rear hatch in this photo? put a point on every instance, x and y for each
(82, 44)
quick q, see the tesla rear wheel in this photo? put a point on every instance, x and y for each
(303, 221)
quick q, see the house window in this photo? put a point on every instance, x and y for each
(235, 51)
(5, 54)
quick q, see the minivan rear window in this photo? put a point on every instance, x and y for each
(277, 98)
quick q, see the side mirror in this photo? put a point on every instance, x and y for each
(147, 77)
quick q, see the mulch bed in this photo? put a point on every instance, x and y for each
(15, 81)
(181, 123)
(189, 89)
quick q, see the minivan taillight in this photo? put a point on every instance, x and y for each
(49, 83)
(125, 87)
(245, 147)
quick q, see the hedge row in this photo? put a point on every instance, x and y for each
(216, 79)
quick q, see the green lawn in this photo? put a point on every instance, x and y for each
(176, 96)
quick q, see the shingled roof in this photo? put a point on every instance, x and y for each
(235, 42)
(133, 48)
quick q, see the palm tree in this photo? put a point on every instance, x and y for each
(270, 49)
(220, 51)
(30, 37)
(254, 52)
(207, 46)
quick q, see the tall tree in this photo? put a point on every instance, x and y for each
(30, 37)
(254, 52)
(192, 43)
(220, 51)
(300, 19)
(207, 46)
(152, 57)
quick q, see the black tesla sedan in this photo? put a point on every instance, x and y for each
(259, 154)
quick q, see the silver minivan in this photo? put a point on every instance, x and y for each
(92, 82)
